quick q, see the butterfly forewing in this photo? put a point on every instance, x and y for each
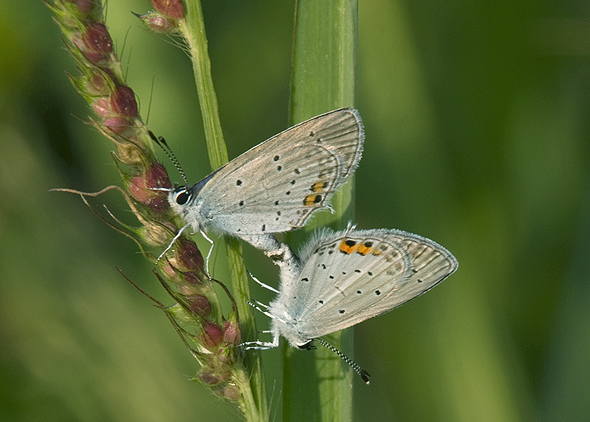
(275, 186)
(354, 276)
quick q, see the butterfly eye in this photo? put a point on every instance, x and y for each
(182, 197)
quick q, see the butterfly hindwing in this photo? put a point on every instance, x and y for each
(352, 276)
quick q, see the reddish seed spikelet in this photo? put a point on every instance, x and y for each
(157, 204)
(189, 256)
(208, 377)
(157, 177)
(211, 336)
(231, 332)
(230, 392)
(102, 107)
(98, 58)
(170, 272)
(97, 85)
(192, 278)
(200, 305)
(123, 102)
(142, 188)
(159, 23)
(138, 189)
(173, 9)
(212, 377)
(117, 125)
(97, 38)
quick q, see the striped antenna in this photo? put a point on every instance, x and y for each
(162, 144)
(362, 373)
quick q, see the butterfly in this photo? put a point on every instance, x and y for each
(347, 277)
(277, 185)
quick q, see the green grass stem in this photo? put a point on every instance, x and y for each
(193, 29)
(317, 384)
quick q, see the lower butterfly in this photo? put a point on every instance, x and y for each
(347, 277)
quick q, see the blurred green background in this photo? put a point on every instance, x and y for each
(478, 130)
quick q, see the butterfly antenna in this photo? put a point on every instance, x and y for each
(162, 144)
(362, 373)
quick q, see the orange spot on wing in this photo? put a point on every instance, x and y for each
(319, 187)
(348, 246)
(312, 200)
(364, 249)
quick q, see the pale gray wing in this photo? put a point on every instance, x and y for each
(275, 186)
(352, 276)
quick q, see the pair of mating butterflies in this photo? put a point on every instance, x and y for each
(342, 278)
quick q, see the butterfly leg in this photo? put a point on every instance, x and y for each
(172, 243)
(266, 286)
(261, 345)
(260, 307)
(208, 253)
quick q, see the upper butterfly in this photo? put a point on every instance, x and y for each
(275, 186)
